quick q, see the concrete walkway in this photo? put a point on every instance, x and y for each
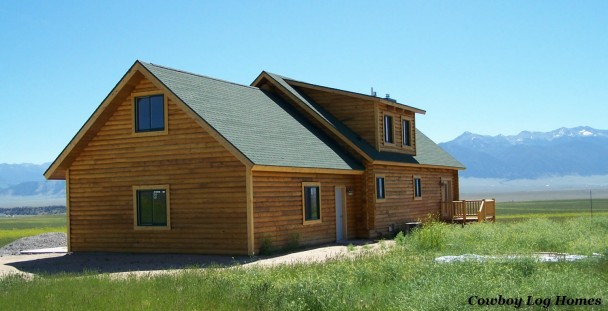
(61, 249)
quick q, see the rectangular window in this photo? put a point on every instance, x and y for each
(405, 132)
(417, 187)
(388, 129)
(151, 205)
(311, 193)
(380, 190)
(149, 113)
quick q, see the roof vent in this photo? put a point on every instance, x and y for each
(373, 93)
(388, 97)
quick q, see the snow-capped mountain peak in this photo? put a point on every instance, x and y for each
(565, 151)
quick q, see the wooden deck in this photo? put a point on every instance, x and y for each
(469, 211)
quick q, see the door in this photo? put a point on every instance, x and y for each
(446, 190)
(340, 213)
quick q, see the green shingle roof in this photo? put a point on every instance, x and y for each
(427, 151)
(262, 127)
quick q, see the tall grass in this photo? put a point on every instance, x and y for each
(581, 235)
(404, 277)
(15, 228)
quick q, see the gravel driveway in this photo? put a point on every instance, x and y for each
(152, 264)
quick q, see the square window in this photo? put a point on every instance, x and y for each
(406, 133)
(417, 187)
(149, 113)
(380, 190)
(311, 201)
(388, 129)
(151, 205)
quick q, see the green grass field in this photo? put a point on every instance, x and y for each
(553, 209)
(13, 228)
(404, 277)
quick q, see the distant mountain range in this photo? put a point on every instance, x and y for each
(24, 185)
(579, 151)
(12, 174)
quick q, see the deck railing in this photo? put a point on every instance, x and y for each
(469, 210)
(487, 211)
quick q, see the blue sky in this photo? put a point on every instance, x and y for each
(489, 67)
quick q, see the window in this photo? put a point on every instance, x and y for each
(311, 193)
(149, 113)
(388, 129)
(405, 133)
(417, 187)
(151, 204)
(380, 192)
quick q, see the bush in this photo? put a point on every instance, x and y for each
(266, 248)
(431, 236)
(400, 239)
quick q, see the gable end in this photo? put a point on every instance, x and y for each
(124, 88)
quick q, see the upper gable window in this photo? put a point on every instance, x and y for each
(406, 132)
(150, 113)
(388, 129)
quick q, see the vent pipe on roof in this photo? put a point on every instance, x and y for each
(388, 97)
(373, 93)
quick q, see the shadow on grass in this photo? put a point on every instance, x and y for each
(78, 263)
(98, 263)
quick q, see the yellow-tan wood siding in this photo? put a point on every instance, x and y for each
(357, 114)
(208, 187)
(278, 214)
(400, 206)
(398, 115)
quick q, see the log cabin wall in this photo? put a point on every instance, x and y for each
(456, 183)
(397, 114)
(278, 212)
(206, 186)
(357, 114)
(400, 205)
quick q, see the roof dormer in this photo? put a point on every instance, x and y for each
(395, 129)
(383, 123)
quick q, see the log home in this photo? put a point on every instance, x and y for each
(173, 161)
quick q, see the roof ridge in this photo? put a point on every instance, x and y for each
(324, 86)
(282, 76)
(199, 75)
(371, 97)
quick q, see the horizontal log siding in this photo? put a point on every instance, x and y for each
(396, 113)
(277, 208)
(370, 199)
(207, 188)
(400, 205)
(456, 185)
(356, 114)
